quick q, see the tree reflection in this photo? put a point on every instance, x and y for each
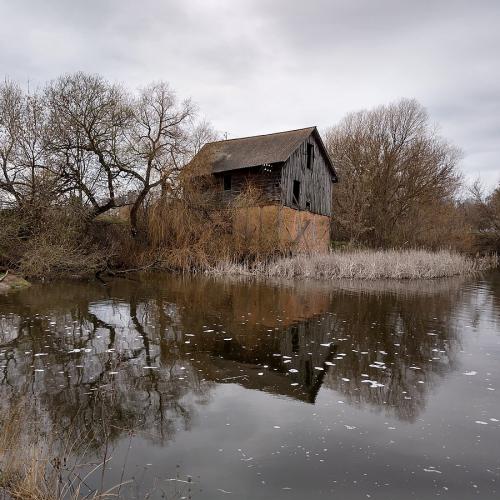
(144, 355)
(403, 344)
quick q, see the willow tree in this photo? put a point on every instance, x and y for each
(391, 165)
(25, 180)
(108, 142)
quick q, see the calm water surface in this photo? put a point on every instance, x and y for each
(209, 389)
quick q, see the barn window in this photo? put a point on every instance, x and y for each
(310, 156)
(308, 370)
(296, 193)
(227, 182)
(295, 338)
(308, 205)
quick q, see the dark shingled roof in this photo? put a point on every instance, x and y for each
(233, 154)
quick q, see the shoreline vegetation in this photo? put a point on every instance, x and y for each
(99, 180)
(36, 466)
(9, 282)
(363, 265)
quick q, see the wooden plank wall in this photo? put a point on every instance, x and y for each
(315, 183)
(266, 180)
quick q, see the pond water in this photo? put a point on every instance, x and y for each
(203, 388)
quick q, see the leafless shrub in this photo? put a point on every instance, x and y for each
(482, 212)
(55, 242)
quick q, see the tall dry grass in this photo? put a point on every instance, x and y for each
(36, 466)
(363, 264)
(192, 230)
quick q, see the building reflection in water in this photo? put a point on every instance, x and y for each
(98, 361)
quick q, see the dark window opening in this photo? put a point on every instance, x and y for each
(308, 370)
(308, 205)
(227, 182)
(310, 155)
(295, 339)
(296, 193)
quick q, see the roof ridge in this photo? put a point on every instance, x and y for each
(264, 135)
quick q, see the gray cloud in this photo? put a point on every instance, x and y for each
(256, 66)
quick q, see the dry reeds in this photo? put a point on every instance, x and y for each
(195, 230)
(364, 264)
(33, 466)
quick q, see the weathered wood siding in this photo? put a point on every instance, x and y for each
(315, 183)
(267, 180)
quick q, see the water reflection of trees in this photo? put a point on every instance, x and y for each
(484, 303)
(94, 385)
(144, 355)
(413, 337)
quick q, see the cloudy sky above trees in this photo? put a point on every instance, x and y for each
(257, 66)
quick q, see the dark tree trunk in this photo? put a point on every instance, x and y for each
(134, 213)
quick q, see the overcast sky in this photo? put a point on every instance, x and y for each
(258, 66)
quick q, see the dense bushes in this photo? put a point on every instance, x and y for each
(482, 210)
(55, 243)
(399, 185)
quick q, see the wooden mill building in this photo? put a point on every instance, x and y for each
(293, 173)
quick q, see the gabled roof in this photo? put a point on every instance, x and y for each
(246, 152)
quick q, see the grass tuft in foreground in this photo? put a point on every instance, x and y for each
(364, 264)
(33, 466)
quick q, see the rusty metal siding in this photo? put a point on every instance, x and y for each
(315, 183)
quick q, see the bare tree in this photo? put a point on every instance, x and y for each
(201, 133)
(78, 148)
(109, 142)
(87, 134)
(25, 178)
(11, 99)
(390, 162)
(483, 213)
(157, 142)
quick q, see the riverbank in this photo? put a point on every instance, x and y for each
(9, 282)
(364, 264)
